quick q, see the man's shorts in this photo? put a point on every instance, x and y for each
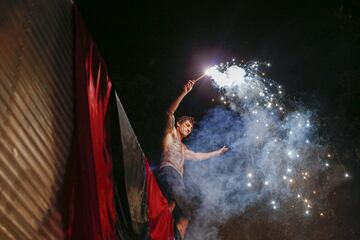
(173, 188)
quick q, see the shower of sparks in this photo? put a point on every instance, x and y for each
(244, 87)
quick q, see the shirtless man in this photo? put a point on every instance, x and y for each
(174, 152)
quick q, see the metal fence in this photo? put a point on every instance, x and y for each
(36, 115)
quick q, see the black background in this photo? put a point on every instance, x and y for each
(153, 47)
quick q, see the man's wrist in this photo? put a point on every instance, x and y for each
(183, 93)
(218, 152)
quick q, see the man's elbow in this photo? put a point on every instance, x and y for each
(199, 157)
(169, 113)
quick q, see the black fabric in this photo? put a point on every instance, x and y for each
(134, 163)
(130, 193)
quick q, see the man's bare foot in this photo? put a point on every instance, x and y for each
(182, 225)
(171, 206)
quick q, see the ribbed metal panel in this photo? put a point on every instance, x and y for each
(36, 115)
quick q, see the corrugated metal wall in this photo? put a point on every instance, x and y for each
(36, 114)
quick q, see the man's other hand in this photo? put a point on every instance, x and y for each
(223, 150)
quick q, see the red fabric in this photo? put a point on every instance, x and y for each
(159, 215)
(90, 209)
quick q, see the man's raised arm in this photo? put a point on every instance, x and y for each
(175, 104)
(170, 119)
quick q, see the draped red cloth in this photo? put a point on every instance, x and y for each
(90, 210)
(159, 215)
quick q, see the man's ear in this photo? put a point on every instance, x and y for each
(177, 124)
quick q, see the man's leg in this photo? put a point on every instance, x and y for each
(182, 201)
(174, 190)
(165, 181)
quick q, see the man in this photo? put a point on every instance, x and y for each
(174, 152)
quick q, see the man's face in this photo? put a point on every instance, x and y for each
(185, 128)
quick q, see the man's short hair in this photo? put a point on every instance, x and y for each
(183, 119)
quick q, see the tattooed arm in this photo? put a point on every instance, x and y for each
(170, 119)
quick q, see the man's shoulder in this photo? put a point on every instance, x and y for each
(184, 146)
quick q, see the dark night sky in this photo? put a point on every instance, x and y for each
(153, 47)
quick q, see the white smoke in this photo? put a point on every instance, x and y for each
(274, 158)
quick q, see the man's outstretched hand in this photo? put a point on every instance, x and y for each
(223, 150)
(188, 86)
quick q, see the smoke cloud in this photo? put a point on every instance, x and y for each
(275, 156)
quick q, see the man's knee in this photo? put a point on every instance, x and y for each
(182, 225)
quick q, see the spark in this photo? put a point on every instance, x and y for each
(233, 76)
